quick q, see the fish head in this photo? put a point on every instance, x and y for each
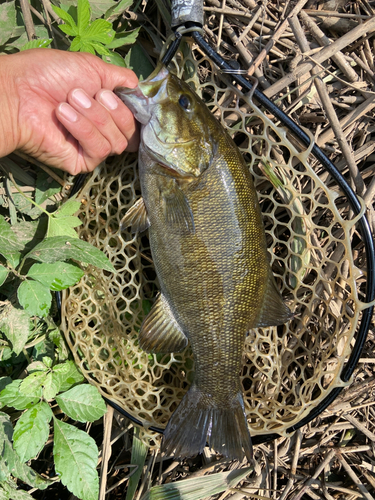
(177, 128)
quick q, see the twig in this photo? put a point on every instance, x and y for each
(350, 118)
(107, 451)
(28, 20)
(324, 41)
(228, 12)
(322, 56)
(244, 53)
(251, 23)
(318, 470)
(44, 167)
(354, 477)
(363, 66)
(329, 109)
(258, 61)
(293, 469)
(359, 426)
(220, 27)
(54, 30)
(330, 13)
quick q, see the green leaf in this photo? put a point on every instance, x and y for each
(117, 9)
(31, 431)
(9, 245)
(139, 454)
(20, 34)
(61, 351)
(197, 488)
(4, 381)
(99, 31)
(15, 325)
(20, 470)
(51, 386)
(68, 30)
(82, 403)
(62, 226)
(33, 383)
(9, 488)
(7, 21)
(44, 348)
(99, 48)
(29, 233)
(76, 457)
(12, 397)
(35, 298)
(84, 15)
(136, 59)
(70, 207)
(100, 7)
(122, 39)
(6, 432)
(87, 47)
(67, 18)
(37, 366)
(46, 186)
(76, 44)
(37, 44)
(67, 375)
(114, 58)
(57, 276)
(3, 274)
(62, 248)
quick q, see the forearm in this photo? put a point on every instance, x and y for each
(9, 130)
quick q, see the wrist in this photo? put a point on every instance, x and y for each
(9, 130)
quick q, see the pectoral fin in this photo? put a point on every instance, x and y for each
(176, 208)
(160, 331)
(274, 311)
(136, 217)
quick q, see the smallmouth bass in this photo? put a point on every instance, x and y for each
(209, 250)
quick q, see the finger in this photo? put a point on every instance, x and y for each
(122, 117)
(100, 117)
(94, 146)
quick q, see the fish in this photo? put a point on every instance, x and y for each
(208, 246)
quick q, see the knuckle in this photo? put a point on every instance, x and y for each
(120, 146)
(104, 149)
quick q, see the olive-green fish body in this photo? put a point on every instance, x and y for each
(209, 252)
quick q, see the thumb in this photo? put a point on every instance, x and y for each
(113, 76)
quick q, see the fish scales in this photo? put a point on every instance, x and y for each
(209, 250)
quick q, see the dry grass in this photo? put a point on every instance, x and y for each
(319, 66)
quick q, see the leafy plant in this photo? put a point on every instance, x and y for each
(97, 36)
(38, 258)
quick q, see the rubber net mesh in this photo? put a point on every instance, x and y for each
(287, 370)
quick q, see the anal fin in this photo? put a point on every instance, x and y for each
(274, 311)
(160, 331)
(136, 217)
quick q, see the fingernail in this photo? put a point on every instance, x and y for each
(108, 99)
(68, 112)
(81, 98)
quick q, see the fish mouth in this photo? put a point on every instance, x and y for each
(141, 99)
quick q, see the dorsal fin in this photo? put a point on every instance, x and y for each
(274, 311)
(136, 217)
(160, 331)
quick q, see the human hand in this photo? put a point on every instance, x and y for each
(58, 107)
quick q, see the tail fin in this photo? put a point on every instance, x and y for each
(198, 420)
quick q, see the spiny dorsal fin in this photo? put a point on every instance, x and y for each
(160, 331)
(136, 217)
(176, 209)
(274, 311)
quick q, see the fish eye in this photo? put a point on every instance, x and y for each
(184, 102)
